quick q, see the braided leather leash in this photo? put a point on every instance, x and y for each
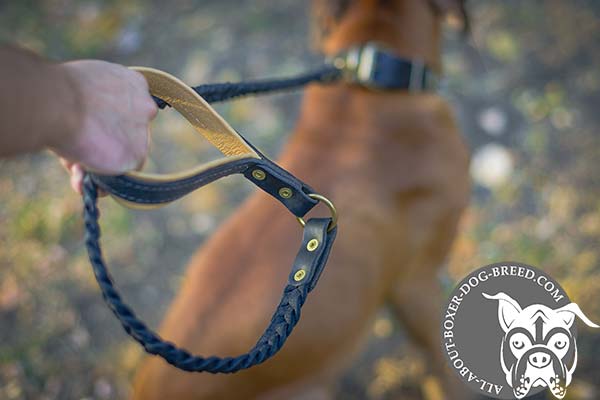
(141, 189)
(216, 92)
(282, 323)
(367, 65)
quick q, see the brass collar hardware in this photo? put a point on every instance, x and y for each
(299, 275)
(286, 192)
(329, 204)
(259, 174)
(357, 63)
(312, 245)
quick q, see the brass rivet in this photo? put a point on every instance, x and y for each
(259, 174)
(299, 275)
(285, 192)
(312, 245)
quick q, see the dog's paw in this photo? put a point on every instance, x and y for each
(558, 386)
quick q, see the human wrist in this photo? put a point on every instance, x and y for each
(67, 113)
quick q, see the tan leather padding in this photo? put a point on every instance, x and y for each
(201, 116)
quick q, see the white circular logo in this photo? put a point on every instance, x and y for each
(509, 332)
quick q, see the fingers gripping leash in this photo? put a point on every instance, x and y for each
(140, 190)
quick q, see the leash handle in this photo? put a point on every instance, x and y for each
(197, 111)
(145, 191)
(304, 275)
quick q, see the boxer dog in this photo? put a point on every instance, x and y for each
(539, 348)
(396, 167)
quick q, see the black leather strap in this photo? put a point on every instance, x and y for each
(148, 192)
(309, 261)
(396, 73)
(273, 181)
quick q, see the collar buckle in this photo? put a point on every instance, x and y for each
(358, 63)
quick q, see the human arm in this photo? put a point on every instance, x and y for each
(89, 112)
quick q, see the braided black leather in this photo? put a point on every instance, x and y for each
(216, 92)
(282, 323)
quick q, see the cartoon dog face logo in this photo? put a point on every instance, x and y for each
(538, 348)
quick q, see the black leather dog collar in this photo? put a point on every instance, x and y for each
(141, 190)
(375, 66)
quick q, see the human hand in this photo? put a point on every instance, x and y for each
(111, 124)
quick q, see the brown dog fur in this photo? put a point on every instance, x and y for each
(396, 166)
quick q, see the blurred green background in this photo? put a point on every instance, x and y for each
(526, 87)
